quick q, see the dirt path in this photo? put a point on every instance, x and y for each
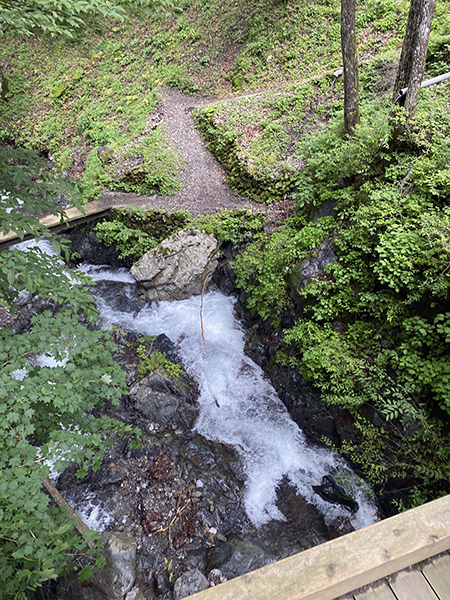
(204, 186)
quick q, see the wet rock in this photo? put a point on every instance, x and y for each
(136, 594)
(238, 556)
(313, 267)
(71, 588)
(23, 298)
(332, 492)
(216, 577)
(189, 583)
(117, 577)
(120, 296)
(326, 209)
(178, 267)
(164, 400)
(304, 405)
(90, 249)
(303, 527)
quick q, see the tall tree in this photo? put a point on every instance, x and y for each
(350, 60)
(414, 52)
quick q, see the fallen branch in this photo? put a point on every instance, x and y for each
(61, 501)
(201, 312)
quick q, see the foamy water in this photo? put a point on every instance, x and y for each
(239, 406)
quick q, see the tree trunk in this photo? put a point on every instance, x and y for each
(414, 53)
(350, 60)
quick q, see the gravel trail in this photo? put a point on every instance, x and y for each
(204, 188)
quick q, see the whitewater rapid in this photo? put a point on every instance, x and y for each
(238, 405)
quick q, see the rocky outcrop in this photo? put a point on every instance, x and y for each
(117, 576)
(85, 244)
(164, 400)
(114, 580)
(178, 267)
(334, 493)
(309, 269)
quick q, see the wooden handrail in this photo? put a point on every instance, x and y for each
(344, 564)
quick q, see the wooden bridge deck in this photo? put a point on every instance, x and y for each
(429, 580)
(379, 553)
(92, 210)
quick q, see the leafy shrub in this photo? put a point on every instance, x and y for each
(154, 359)
(130, 242)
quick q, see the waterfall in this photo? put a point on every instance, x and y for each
(238, 405)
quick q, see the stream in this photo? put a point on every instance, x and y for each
(237, 408)
(238, 405)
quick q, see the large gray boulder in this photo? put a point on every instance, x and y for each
(117, 577)
(178, 267)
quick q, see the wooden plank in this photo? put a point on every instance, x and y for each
(437, 573)
(91, 210)
(411, 585)
(347, 563)
(377, 591)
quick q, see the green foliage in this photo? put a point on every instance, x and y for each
(373, 327)
(130, 242)
(57, 17)
(54, 17)
(154, 359)
(235, 226)
(135, 231)
(263, 269)
(46, 416)
(266, 180)
(47, 412)
(422, 358)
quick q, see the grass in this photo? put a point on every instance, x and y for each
(69, 98)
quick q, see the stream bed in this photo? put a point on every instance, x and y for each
(229, 482)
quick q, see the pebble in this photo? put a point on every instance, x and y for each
(199, 483)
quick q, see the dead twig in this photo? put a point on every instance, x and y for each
(61, 501)
(178, 512)
(201, 312)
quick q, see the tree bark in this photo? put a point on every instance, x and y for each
(414, 53)
(350, 60)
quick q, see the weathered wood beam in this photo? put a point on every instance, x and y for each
(344, 564)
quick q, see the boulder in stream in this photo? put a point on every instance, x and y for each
(162, 399)
(189, 583)
(178, 267)
(332, 492)
(117, 577)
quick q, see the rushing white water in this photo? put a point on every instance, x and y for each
(102, 273)
(239, 407)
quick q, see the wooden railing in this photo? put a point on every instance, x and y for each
(344, 564)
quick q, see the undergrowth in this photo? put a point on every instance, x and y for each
(133, 232)
(373, 323)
